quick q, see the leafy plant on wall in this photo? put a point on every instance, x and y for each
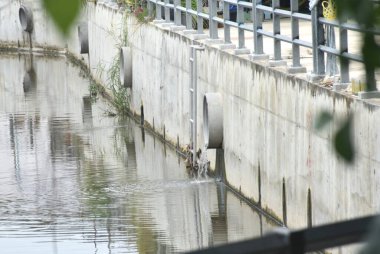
(63, 12)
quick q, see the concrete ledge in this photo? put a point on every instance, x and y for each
(242, 51)
(198, 36)
(311, 77)
(340, 86)
(226, 46)
(258, 57)
(277, 63)
(165, 25)
(176, 28)
(295, 70)
(369, 95)
(189, 31)
(213, 41)
(158, 21)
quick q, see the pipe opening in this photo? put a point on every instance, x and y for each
(83, 37)
(213, 120)
(26, 18)
(142, 119)
(126, 67)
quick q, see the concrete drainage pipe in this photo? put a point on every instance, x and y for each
(213, 120)
(126, 67)
(83, 37)
(25, 15)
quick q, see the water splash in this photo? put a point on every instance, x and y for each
(202, 162)
(199, 168)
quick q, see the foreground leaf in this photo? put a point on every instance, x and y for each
(343, 141)
(322, 120)
(63, 13)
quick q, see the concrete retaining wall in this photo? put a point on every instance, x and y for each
(44, 34)
(272, 153)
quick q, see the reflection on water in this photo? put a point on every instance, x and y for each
(73, 180)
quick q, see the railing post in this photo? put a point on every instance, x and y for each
(213, 25)
(177, 13)
(158, 11)
(257, 17)
(189, 19)
(150, 8)
(318, 39)
(295, 34)
(370, 73)
(199, 18)
(226, 17)
(167, 12)
(344, 63)
(296, 56)
(240, 21)
(276, 30)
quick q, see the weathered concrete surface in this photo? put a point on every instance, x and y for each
(268, 120)
(268, 124)
(44, 34)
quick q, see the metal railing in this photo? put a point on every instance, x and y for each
(301, 241)
(193, 13)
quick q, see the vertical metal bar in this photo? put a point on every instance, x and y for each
(150, 8)
(257, 17)
(295, 34)
(369, 69)
(318, 39)
(213, 25)
(167, 11)
(276, 30)
(191, 99)
(199, 18)
(189, 19)
(195, 108)
(370, 79)
(240, 21)
(177, 13)
(158, 11)
(226, 17)
(344, 63)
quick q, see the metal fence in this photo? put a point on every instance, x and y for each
(192, 14)
(301, 241)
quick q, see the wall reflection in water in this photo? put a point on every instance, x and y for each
(75, 180)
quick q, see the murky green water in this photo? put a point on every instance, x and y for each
(74, 180)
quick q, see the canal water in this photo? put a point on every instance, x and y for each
(74, 179)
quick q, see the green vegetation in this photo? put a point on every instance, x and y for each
(120, 93)
(63, 12)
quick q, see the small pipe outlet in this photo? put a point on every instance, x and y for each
(126, 66)
(213, 120)
(83, 37)
(25, 15)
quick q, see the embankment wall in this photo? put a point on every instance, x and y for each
(272, 153)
